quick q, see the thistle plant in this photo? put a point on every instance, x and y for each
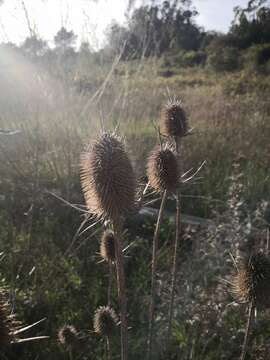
(107, 246)
(105, 321)
(107, 252)
(162, 171)
(68, 338)
(174, 125)
(10, 327)
(105, 324)
(108, 183)
(251, 286)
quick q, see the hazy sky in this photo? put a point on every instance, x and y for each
(89, 18)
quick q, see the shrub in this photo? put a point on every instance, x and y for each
(257, 58)
(224, 59)
(193, 58)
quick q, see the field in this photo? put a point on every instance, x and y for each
(52, 265)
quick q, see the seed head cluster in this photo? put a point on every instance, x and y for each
(105, 321)
(163, 170)
(107, 246)
(173, 121)
(252, 281)
(107, 178)
(68, 336)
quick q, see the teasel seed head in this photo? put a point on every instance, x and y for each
(107, 178)
(107, 246)
(8, 322)
(173, 121)
(105, 321)
(163, 170)
(68, 336)
(251, 283)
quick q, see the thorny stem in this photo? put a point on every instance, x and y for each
(117, 227)
(176, 246)
(248, 330)
(153, 279)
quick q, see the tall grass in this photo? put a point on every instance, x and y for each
(42, 159)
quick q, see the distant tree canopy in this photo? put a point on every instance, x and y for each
(251, 25)
(155, 29)
(34, 46)
(64, 40)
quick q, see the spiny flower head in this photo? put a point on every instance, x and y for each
(107, 178)
(252, 281)
(68, 336)
(105, 321)
(173, 121)
(107, 246)
(8, 323)
(163, 170)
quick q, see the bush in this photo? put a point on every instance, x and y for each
(224, 59)
(193, 58)
(257, 58)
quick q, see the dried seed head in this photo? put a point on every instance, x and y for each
(163, 170)
(107, 248)
(68, 336)
(252, 281)
(105, 321)
(107, 178)
(173, 121)
(8, 323)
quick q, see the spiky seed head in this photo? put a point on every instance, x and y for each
(107, 246)
(173, 122)
(8, 322)
(105, 321)
(107, 178)
(163, 170)
(252, 281)
(68, 336)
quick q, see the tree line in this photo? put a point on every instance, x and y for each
(169, 29)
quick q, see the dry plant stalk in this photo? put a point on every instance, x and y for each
(108, 183)
(176, 246)
(153, 276)
(251, 286)
(248, 330)
(162, 171)
(174, 125)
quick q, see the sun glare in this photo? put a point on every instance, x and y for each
(87, 18)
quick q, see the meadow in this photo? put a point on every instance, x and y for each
(49, 259)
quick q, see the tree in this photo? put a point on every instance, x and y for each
(156, 28)
(64, 40)
(34, 47)
(251, 25)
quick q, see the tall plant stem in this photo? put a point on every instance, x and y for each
(176, 246)
(153, 278)
(108, 347)
(121, 287)
(248, 330)
(110, 283)
(70, 354)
